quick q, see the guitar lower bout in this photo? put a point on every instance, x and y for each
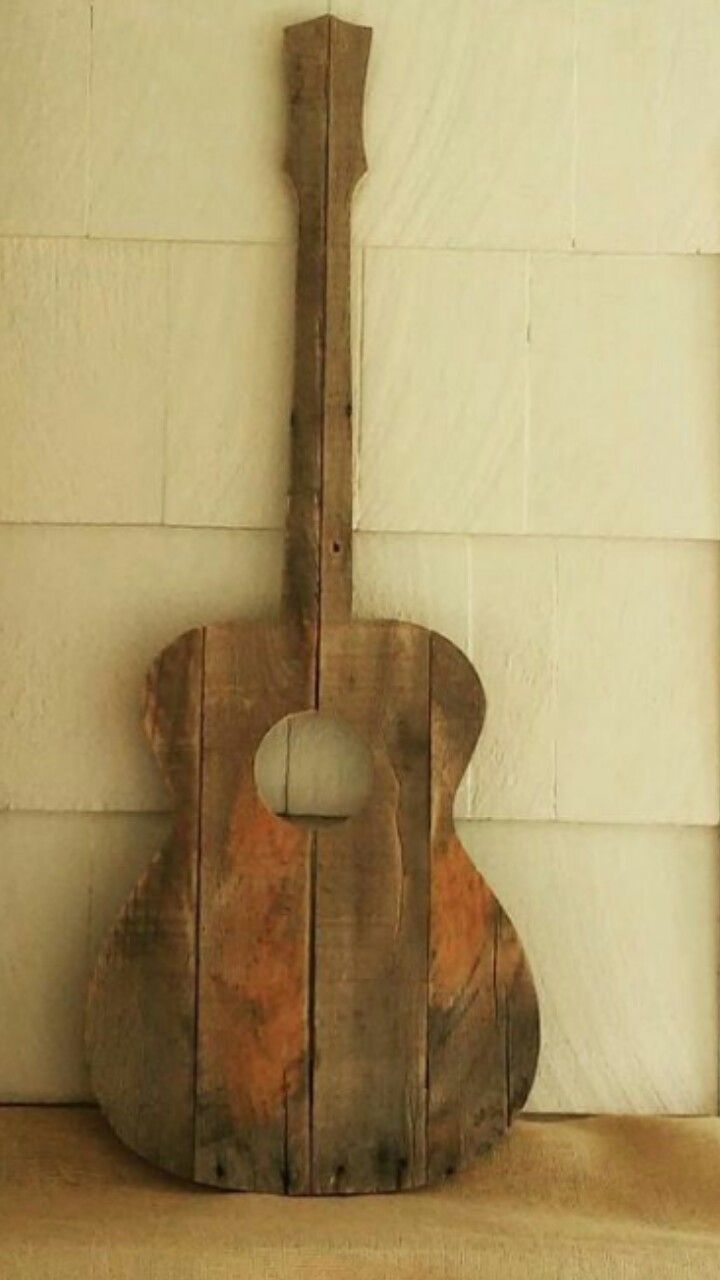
(312, 1011)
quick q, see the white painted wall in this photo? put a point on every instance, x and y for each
(537, 339)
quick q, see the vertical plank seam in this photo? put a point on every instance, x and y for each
(358, 407)
(323, 376)
(198, 878)
(312, 911)
(527, 393)
(556, 681)
(313, 869)
(575, 124)
(285, 1137)
(428, 933)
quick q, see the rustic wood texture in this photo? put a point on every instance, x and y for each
(252, 1118)
(326, 62)
(483, 1030)
(142, 1008)
(348, 56)
(371, 902)
(306, 48)
(342, 1010)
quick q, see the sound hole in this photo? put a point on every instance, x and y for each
(313, 769)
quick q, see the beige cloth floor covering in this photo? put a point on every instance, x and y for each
(581, 1199)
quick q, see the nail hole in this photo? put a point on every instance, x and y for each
(219, 1169)
(336, 547)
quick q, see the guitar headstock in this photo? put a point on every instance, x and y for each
(326, 62)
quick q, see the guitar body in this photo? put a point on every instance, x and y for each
(405, 982)
(299, 1010)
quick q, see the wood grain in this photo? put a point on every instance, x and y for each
(347, 1010)
(483, 1032)
(349, 50)
(326, 62)
(371, 921)
(141, 1009)
(306, 52)
(252, 1119)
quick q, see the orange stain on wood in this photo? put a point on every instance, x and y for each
(258, 985)
(462, 919)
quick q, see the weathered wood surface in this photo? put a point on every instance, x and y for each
(252, 1107)
(371, 923)
(350, 47)
(347, 1009)
(306, 47)
(483, 1029)
(326, 62)
(142, 1006)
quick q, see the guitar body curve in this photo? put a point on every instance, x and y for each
(302, 1011)
(249, 1026)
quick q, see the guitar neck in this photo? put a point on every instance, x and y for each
(326, 61)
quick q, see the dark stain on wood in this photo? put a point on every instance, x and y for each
(331, 1011)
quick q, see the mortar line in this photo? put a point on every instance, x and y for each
(88, 170)
(526, 398)
(575, 128)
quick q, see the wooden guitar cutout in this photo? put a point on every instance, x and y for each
(314, 1011)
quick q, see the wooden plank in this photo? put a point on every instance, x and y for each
(349, 49)
(482, 1021)
(370, 999)
(370, 901)
(326, 62)
(252, 1120)
(141, 1008)
(306, 55)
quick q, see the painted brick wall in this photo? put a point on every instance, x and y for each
(537, 343)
